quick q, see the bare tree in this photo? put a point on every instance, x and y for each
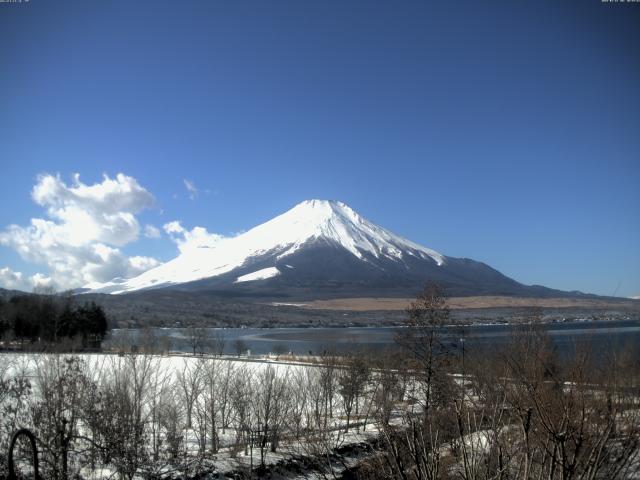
(240, 346)
(227, 373)
(352, 380)
(271, 406)
(388, 386)
(414, 446)
(172, 423)
(61, 382)
(148, 341)
(426, 316)
(197, 338)
(189, 380)
(279, 349)
(127, 396)
(241, 396)
(328, 381)
(217, 341)
(160, 388)
(299, 400)
(568, 413)
(208, 404)
(320, 435)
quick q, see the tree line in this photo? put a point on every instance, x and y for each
(43, 319)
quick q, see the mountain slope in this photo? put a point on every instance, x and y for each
(320, 249)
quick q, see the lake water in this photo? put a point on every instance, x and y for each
(565, 336)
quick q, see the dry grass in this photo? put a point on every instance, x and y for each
(368, 304)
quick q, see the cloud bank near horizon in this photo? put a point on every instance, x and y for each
(80, 236)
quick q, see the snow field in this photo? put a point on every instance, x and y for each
(275, 393)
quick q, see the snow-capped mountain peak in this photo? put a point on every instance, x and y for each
(336, 221)
(312, 221)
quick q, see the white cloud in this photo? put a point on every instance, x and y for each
(40, 280)
(12, 280)
(79, 241)
(140, 264)
(173, 228)
(103, 212)
(191, 188)
(151, 231)
(198, 237)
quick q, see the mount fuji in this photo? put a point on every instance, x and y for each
(320, 249)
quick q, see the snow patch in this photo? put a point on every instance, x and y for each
(259, 275)
(284, 304)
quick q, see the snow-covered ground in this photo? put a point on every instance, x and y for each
(173, 378)
(201, 414)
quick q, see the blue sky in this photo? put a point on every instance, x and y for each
(501, 131)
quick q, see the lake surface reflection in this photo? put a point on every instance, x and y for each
(602, 335)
